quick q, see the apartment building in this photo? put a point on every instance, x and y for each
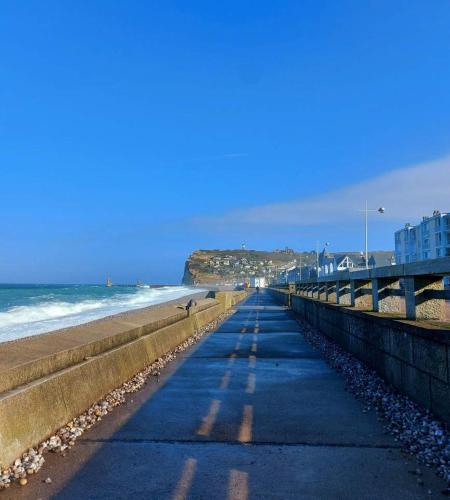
(428, 240)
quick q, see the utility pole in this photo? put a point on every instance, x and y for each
(317, 258)
(366, 234)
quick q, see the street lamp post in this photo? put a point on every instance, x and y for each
(366, 211)
(317, 258)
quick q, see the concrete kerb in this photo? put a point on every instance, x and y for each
(30, 413)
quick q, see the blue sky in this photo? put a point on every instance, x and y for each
(132, 133)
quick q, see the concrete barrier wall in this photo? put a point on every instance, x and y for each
(281, 296)
(34, 360)
(414, 358)
(31, 412)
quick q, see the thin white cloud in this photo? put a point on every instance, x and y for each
(223, 156)
(407, 193)
(234, 155)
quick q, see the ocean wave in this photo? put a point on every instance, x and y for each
(47, 315)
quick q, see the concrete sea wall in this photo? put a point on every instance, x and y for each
(413, 357)
(47, 380)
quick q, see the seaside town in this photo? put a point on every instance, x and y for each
(428, 239)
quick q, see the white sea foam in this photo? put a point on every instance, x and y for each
(24, 321)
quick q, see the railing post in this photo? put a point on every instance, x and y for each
(422, 292)
(359, 298)
(382, 300)
(331, 292)
(322, 291)
(418, 305)
(343, 292)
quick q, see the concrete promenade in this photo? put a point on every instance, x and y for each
(251, 412)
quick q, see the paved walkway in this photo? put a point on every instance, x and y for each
(252, 412)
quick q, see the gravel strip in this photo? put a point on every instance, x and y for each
(64, 439)
(414, 427)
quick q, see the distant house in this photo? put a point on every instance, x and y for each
(343, 262)
(332, 264)
(294, 274)
(329, 264)
(307, 272)
(381, 260)
(287, 273)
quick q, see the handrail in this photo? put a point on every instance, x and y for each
(440, 267)
(416, 288)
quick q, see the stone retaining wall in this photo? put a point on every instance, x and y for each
(414, 358)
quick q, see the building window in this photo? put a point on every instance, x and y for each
(438, 238)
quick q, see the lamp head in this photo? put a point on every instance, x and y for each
(381, 210)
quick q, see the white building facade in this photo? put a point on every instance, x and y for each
(259, 281)
(337, 263)
(428, 240)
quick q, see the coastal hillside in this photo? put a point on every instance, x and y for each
(229, 266)
(236, 266)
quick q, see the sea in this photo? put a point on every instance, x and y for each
(27, 310)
